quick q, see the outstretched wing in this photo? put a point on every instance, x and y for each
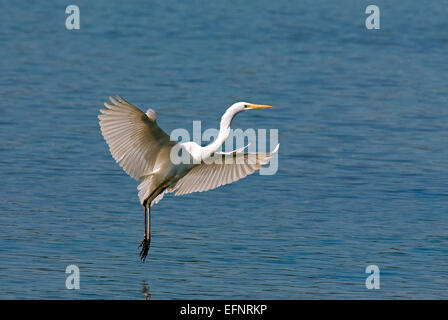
(134, 139)
(231, 168)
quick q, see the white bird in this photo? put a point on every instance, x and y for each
(143, 150)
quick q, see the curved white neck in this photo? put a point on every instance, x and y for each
(224, 132)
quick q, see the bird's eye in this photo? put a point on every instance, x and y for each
(246, 106)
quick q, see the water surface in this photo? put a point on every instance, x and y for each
(362, 119)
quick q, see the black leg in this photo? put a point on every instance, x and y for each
(148, 235)
(144, 215)
(147, 239)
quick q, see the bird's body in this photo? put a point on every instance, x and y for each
(145, 151)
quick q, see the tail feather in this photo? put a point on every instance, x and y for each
(144, 189)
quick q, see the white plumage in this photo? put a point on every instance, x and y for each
(143, 150)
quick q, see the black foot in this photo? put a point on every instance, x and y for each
(145, 248)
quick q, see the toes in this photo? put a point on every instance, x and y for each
(145, 248)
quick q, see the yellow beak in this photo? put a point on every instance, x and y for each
(259, 106)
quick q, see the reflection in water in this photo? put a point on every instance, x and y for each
(145, 291)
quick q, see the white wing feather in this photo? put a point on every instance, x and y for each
(210, 176)
(134, 139)
(235, 151)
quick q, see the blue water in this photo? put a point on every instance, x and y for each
(363, 164)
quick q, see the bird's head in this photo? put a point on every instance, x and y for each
(245, 106)
(236, 108)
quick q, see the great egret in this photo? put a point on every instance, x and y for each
(143, 150)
